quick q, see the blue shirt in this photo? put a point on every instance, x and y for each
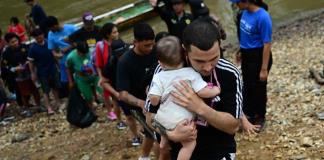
(56, 40)
(255, 29)
(43, 59)
(38, 14)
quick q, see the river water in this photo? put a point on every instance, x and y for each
(282, 11)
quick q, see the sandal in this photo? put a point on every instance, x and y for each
(50, 111)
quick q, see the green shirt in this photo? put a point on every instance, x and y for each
(80, 65)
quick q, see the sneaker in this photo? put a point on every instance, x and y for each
(111, 116)
(26, 113)
(50, 111)
(121, 125)
(136, 141)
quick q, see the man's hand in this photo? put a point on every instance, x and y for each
(101, 81)
(186, 97)
(19, 68)
(184, 131)
(248, 127)
(263, 75)
(34, 77)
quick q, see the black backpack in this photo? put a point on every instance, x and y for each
(78, 113)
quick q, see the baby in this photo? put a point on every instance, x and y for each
(171, 59)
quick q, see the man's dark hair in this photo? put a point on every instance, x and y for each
(14, 20)
(36, 32)
(169, 51)
(10, 36)
(51, 21)
(82, 47)
(202, 33)
(143, 31)
(107, 29)
(160, 35)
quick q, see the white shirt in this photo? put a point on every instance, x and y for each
(169, 113)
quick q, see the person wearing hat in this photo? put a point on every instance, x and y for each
(43, 68)
(89, 32)
(175, 18)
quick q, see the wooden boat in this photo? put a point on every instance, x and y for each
(127, 15)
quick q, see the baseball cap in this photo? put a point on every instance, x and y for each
(87, 17)
(198, 7)
(119, 47)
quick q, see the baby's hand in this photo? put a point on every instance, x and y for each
(214, 89)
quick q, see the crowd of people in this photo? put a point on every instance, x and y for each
(188, 99)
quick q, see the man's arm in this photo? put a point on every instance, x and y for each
(221, 120)
(265, 62)
(131, 100)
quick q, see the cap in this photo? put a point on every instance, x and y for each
(198, 7)
(235, 1)
(118, 47)
(176, 1)
(87, 17)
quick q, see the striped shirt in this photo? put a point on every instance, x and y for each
(211, 141)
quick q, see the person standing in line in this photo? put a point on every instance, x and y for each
(219, 116)
(60, 47)
(132, 69)
(109, 31)
(37, 17)
(43, 68)
(256, 58)
(17, 28)
(14, 59)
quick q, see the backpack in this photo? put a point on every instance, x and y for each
(78, 113)
(93, 54)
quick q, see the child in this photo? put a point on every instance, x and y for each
(170, 114)
(17, 28)
(81, 72)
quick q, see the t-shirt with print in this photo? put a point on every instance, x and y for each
(169, 113)
(14, 57)
(255, 29)
(80, 65)
(91, 37)
(131, 73)
(43, 59)
(56, 40)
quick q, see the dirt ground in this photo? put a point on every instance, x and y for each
(293, 130)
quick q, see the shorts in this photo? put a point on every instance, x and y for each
(106, 94)
(124, 107)
(140, 117)
(52, 81)
(85, 87)
(26, 87)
